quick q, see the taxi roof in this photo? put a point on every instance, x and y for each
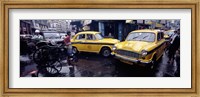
(147, 30)
(170, 31)
(88, 32)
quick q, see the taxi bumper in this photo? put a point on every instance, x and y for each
(132, 60)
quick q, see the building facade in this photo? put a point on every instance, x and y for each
(26, 27)
(58, 25)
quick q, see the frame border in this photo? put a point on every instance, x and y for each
(110, 4)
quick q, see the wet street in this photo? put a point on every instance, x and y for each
(94, 65)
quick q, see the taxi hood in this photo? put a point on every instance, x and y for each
(136, 46)
(109, 40)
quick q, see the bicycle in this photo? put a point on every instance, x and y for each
(49, 59)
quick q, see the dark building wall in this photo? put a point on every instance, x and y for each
(117, 29)
(129, 28)
(94, 26)
(114, 28)
(25, 27)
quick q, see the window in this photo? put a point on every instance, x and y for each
(141, 36)
(160, 36)
(98, 36)
(51, 35)
(80, 37)
(90, 37)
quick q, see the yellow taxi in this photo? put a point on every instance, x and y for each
(91, 41)
(168, 34)
(143, 47)
(167, 37)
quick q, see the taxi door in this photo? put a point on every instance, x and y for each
(79, 42)
(160, 44)
(92, 43)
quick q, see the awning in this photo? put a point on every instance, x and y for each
(87, 22)
(130, 22)
(86, 28)
(159, 25)
(156, 24)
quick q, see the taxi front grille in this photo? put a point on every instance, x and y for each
(127, 53)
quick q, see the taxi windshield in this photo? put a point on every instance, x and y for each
(51, 35)
(141, 36)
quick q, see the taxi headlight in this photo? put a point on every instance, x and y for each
(114, 48)
(143, 53)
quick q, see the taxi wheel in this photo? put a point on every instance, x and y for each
(106, 52)
(74, 50)
(160, 59)
(153, 64)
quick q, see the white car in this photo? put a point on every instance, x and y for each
(50, 37)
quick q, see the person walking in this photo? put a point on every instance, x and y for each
(67, 42)
(175, 45)
(177, 58)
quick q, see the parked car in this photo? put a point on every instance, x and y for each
(52, 37)
(142, 47)
(168, 38)
(91, 41)
(62, 35)
(168, 34)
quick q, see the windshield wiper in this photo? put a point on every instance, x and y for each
(135, 37)
(145, 37)
(132, 38)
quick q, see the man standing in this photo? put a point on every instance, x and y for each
(67, 39)
(37, 35)
(175, 45)
(32, 45)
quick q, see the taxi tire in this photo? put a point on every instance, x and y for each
(160, 59)
(103, 50)
(153, 65)
(75, 50)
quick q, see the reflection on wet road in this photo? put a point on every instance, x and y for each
(94, 65)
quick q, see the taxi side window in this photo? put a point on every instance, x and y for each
(90, 37)
(80, 37)
(160, 36)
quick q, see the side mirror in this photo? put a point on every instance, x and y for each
(166, 36)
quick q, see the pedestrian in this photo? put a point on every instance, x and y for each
(37, 35)
(67, 42)
(177, 58)
(175, 45)
(23, 46)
